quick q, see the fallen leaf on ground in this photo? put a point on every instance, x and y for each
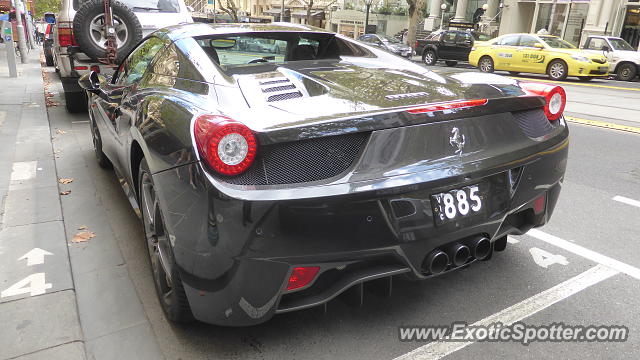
(59, 131)
(65, 181)
(83, 236)
(65, 192)
(82, 227)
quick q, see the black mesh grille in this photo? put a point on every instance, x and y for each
(402, 208)
(284, 96)
(534, 123)
(302, 161)
(278, 88)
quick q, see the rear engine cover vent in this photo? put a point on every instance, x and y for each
(279, 89)
(302, 161)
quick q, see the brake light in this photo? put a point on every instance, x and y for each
(416, 44)
(555, 96)
(228, 146)
(302, 276)
(447, 106)
(65, 37)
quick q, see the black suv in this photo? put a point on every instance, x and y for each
(448, 45)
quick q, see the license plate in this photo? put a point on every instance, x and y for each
(603, 68)
(456, 204)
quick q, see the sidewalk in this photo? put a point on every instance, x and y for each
(38, 309)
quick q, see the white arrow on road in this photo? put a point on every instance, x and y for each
(35, 256)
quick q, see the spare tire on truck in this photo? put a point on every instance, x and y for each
(88, 29)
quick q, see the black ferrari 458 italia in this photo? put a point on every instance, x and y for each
(269, 182)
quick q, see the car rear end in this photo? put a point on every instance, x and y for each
(414, 184)
(72, 62)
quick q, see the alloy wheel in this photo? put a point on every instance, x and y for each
(556, 70)
(485, 65)
(428, 58)
(97, 31)
(157, 239)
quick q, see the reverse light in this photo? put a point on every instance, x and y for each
(555, 96)
(228, 146)
(447, 106)
(302, 276)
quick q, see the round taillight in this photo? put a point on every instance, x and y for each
(227, 146)
(555, 97)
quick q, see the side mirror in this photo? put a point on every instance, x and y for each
(91, 82)
(538, 46)
(605, 48)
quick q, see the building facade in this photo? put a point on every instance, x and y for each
(573, 20)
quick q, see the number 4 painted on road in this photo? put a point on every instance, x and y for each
(33, 284)
(545, 259)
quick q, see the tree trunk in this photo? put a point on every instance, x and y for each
(230, 9)
(415, 7)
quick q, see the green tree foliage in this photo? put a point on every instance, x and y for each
(43, 6)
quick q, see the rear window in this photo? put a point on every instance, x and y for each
(170, 6)
(234, 51)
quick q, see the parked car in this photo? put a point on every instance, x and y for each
(388, 43)
(272, 185)
(538, 54)
(79, 38)
(624, 61)
(448, 45)
(47, 45)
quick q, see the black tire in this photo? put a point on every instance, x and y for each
(429, 57)
(76, 102)
(585, 78)
(485, 64)
(557, 70)
(626, 72)
(451, 63)
(169, 289)
(514, 73)
(130, 34)
(48, 58)
(102, 159)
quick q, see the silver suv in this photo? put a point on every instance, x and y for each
(79, 40)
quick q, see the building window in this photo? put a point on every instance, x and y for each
(631, 26)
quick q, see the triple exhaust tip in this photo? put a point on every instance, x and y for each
(437, 261)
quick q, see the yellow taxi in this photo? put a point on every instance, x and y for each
(538, 54)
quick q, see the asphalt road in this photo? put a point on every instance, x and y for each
(588, 228)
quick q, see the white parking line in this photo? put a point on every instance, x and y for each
(23, 170)
(586, 253)
(627, 201)
(517, 312)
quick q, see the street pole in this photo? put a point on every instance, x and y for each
(22, 45)
(6, 34)
(29, 21)
(282, 12)
(366, 18)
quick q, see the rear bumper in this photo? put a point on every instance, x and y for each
(235, 256)
(73, 65)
